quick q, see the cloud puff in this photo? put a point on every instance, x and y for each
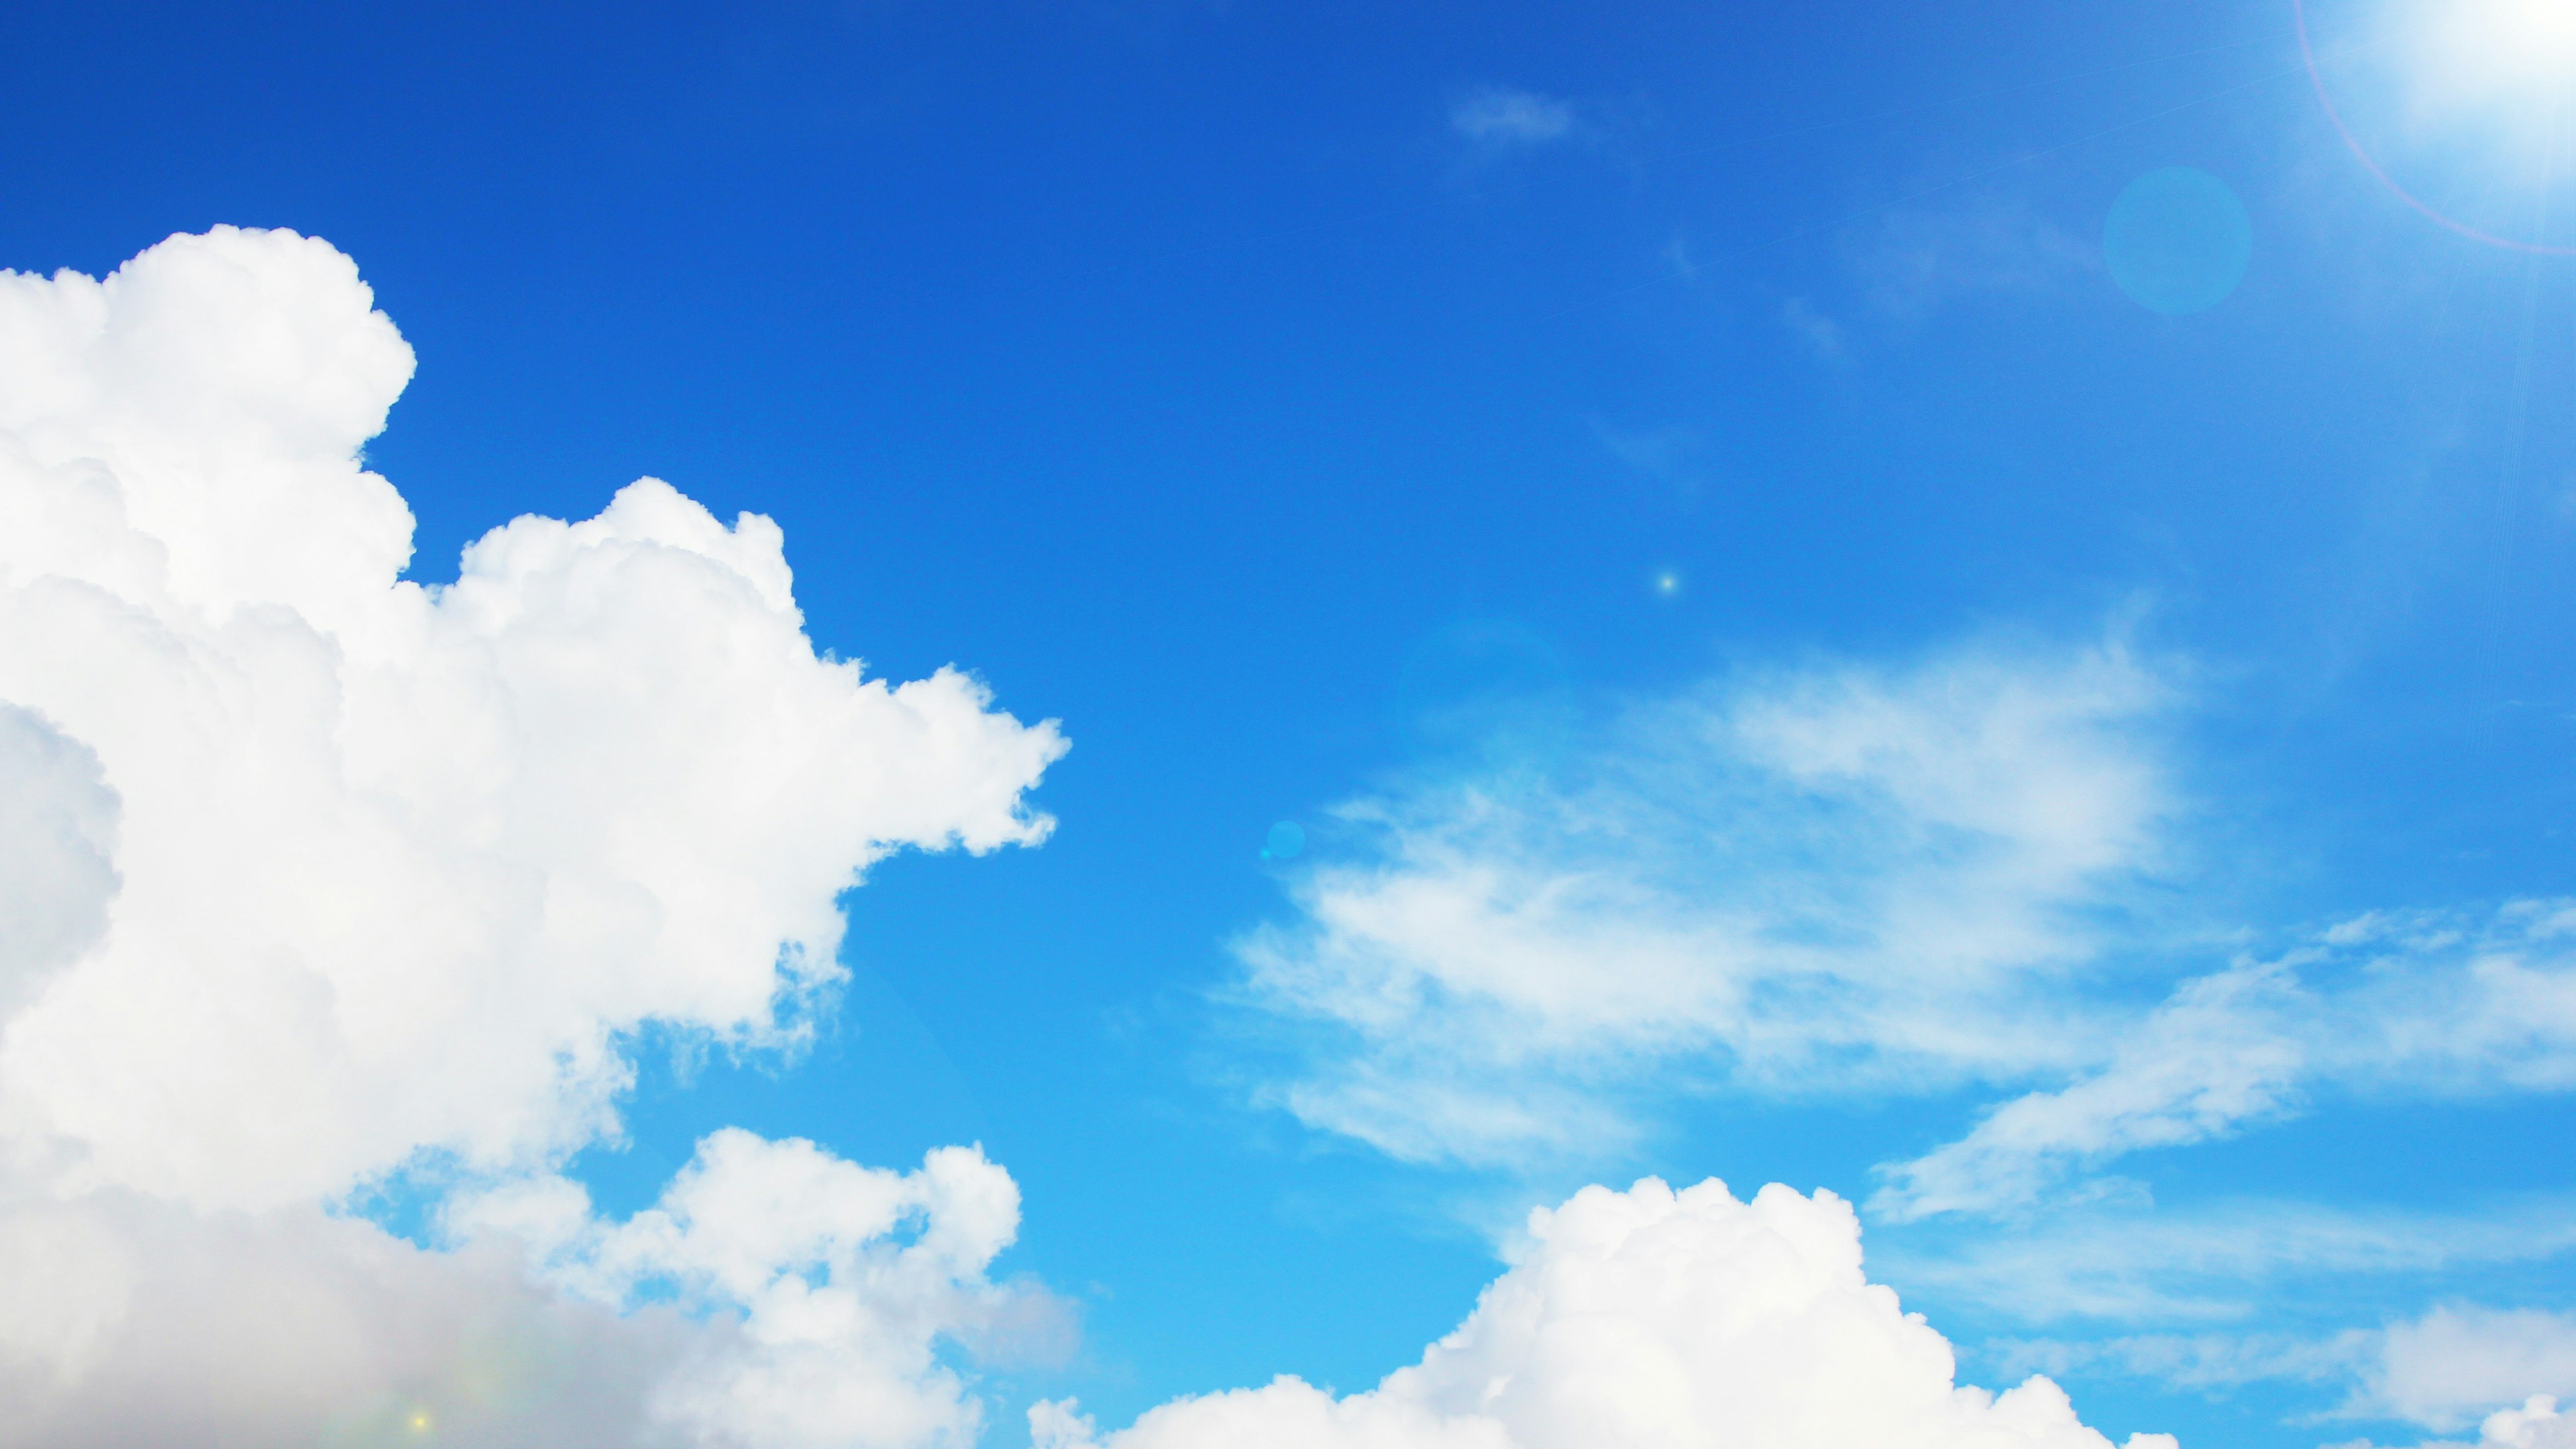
(326, 873)
(2444, 1368)
(1504, 116)
(126, 1321)
(845, 1278)
(1912, 262)
(1650, 1319)
(1841, 878)
(2536, 1424)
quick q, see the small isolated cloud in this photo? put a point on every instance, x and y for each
(1911, 262)
(321, 875)
(1821, 334)
(1649, 1317)
(1670, 454)
(1504, 116)
(2460, 1361)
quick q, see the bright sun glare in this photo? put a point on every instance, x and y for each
(2494, 46)
(2457, 103)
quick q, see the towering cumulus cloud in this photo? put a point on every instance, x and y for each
(1650, 1319)
(310, 875)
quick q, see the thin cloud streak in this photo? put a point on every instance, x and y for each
(1838, 880)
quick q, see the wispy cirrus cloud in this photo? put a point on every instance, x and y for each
(1913, 261)
(2414, 1005)
(2222, 1261)
(2450, 1367)
(1839, 879)
(1864, 881)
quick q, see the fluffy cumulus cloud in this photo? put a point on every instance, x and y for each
(311, 873)
(839, 1307)
(1650, 1319)
(1831, 879)
(2538, 1423)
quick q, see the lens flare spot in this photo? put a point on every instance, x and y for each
(1287, 841)
(1668, 583)
(2177, 241)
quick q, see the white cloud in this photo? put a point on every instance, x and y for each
(2206, 1062)
(1863, 881)
(846, 1277)
(2222, 1261)
(2458, 1361)
(57, 853)
(1913, 261)
(1502, 115)
(2535, 1424)
(2416, 1005)
(1821, 334)
(2193, 1361)
(1649, 1320)
(1838, 879)
(2454, 1366)
(126, 1321)
(775, 1297)
(335, 873)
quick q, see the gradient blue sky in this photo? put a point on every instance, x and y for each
(1321, 403)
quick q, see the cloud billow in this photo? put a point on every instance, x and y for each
(312, 876)
(317, 875)
(326, 871)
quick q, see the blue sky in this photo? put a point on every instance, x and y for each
(1775, 653)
